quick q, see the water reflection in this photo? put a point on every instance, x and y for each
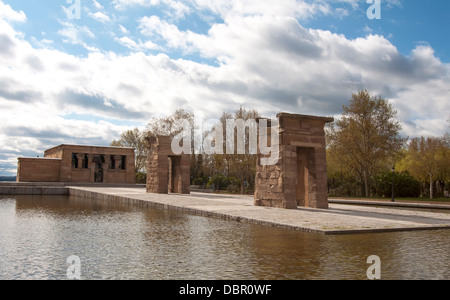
(121, 241)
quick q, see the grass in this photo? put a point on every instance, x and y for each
(445, 200)
(408, 199)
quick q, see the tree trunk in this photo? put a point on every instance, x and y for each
(431, 186)
(366, 184)
(442, 188)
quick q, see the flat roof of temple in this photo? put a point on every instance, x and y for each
(299, 116)
(91, 146)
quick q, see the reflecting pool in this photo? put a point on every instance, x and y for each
(121, 241)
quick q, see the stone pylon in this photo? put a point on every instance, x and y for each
(166, 172)
(299, 178)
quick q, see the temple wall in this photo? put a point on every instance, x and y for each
(38, 170)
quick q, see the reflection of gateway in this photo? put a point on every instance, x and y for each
(98, 160)
(83, 164)
(99, 176)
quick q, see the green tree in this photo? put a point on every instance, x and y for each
(428, 160)
(342, 180)
(366, 136)
(405, 184)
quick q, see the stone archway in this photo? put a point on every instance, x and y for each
(166, 172)
(299, 178)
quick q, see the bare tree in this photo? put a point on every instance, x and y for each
(134, 139)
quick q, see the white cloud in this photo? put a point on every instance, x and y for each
(154, 26)
(123, 29)
(100, 17)
(137, 46)
(367, 29)
(269, 59)
(123, 4)
(97, 5)
(175, 9)
(264, 58)
(9, 14)
(76, 35)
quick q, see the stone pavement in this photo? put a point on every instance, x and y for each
(339, 219)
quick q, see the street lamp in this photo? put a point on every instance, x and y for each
(393, 176)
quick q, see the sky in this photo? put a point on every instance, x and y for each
(84, 71)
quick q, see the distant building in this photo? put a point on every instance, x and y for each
(79, 164)
(8, 178)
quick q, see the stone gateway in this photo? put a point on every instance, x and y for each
(299, 178)
(167, 172)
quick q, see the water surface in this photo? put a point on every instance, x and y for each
(121, 241)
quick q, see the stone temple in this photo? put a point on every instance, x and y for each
(80, 164)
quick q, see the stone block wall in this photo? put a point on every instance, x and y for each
(38, 170)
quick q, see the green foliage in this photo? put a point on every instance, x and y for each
(234, 185)
(343, 184)
(365, 137)
(221, 182)
(365, 143)
(428, 160)
(141, 178)
(405, 185)
(200, 180)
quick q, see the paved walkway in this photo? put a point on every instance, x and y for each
(339, 219)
